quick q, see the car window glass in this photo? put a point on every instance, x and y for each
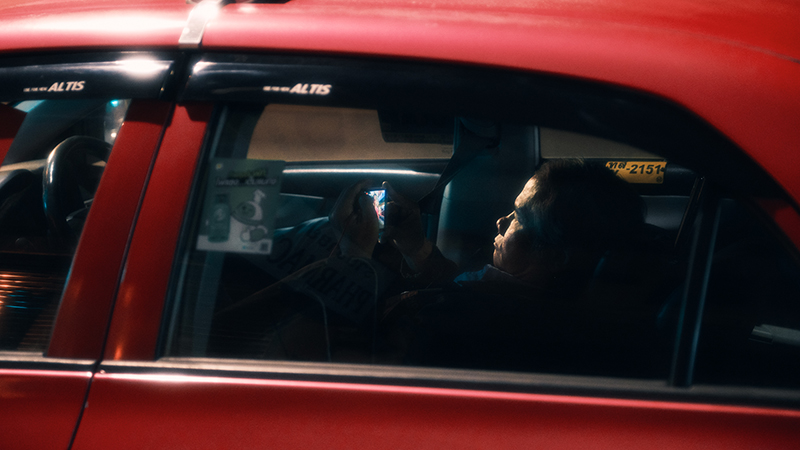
(751, 325)
(53, 153)
(264, 275)
(345, 134)
(566, 144)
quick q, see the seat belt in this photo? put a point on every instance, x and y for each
(471, 138)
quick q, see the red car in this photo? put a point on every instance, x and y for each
(187, 259)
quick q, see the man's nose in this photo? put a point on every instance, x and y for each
(502, 224)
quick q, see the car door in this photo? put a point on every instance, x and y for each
(78, 134)
(258, 151)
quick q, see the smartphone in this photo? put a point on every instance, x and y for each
(379, 202)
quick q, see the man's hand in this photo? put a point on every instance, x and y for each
(403, 229)
(355, 221)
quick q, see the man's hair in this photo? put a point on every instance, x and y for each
(582, 204)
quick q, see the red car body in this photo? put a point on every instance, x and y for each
(735, 64)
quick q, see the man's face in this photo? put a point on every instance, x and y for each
(512, 245)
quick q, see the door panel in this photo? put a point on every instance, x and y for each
(204, 412)
(40, 407)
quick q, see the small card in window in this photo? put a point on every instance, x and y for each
(641, 172)
(240, 205)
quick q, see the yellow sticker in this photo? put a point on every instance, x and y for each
(645, 172)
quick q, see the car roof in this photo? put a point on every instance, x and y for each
(769, 26)
(733, 62)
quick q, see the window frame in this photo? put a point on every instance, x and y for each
(694, 142)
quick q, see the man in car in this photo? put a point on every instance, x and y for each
(565, 218)
(523, 311)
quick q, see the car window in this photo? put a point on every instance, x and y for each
(278, 260)
(264, 275)
(751, 325)
(53, 152)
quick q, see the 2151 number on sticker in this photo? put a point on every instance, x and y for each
(644, 172)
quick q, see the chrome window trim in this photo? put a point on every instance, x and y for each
(458, 379)
(12, 360)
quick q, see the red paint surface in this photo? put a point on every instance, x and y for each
(140, 302)
(785, 216)
(85, 307)
(205, 413)
(10, 121)
(39, 409)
